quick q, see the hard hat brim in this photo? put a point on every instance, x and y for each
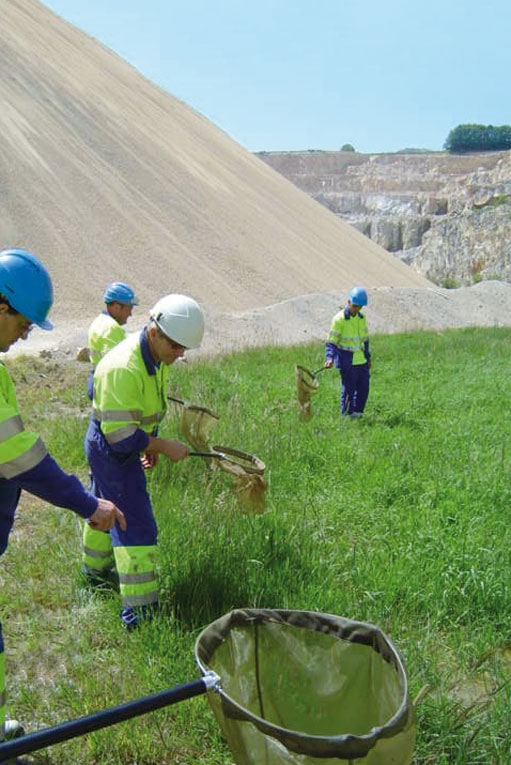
(45, 324)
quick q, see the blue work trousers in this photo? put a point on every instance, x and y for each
(354, 387)
(9, 497)
(121, 479)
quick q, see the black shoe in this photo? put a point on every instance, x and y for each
(129, 618)
(132, 617)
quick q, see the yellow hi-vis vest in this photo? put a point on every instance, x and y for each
(126, 396)
(20, 449)
(350, 335)
(104, 333)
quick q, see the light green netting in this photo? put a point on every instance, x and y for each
(304, 687)
(248, 483)
(197, 422)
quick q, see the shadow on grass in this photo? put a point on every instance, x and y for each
(202, 596)
(210, 588)
(393, 420)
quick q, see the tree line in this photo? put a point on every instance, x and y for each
(464, 138)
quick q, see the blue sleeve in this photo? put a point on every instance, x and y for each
(90, 385)
(138, 442)
(49, 482)
(331, 352)
(366, 350)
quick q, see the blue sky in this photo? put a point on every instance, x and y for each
(287, 75)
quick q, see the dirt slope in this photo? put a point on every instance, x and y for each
(108, 177)
(307, 318)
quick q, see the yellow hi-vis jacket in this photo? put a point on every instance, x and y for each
(349, 333)
(104, 333)
(20, 449)
(129, 394)
(26, 464)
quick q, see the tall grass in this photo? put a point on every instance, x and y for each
(399, 519)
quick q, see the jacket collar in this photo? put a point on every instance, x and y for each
(347, 314)
(150, 363)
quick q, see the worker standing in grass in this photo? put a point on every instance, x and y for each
(129, 402)
(347, 348)
(107, 329)
(26, 296)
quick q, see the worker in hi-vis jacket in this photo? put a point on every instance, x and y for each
(107, 329)
(347, 348)
(129, 402)
(26, 296)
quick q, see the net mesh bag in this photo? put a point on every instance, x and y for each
(248, 483)
(197, 422)
(305, 687)
(250, 492)
(306, 384)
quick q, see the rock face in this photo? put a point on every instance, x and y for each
(448, 216)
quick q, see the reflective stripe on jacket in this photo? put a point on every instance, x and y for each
(20, 449)
(104, 334)
(130, 391)
(349, 333)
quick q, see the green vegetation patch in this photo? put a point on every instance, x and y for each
(399, 519)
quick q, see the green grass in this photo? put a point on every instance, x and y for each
(400, 519)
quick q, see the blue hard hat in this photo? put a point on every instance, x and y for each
(26, 285)
(119, 292)
(358, 296)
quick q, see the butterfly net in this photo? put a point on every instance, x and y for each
(248, 482)
(306, 384)
(304, 687)
(196, 423)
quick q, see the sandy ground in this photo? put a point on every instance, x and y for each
(307, 318)
(107, 177)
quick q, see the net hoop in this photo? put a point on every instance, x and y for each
(249, 463)
(306, 378)
(202, 410)
(196, 423)
(306, 385)
(399, 725)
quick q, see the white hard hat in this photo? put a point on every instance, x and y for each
(180, 318)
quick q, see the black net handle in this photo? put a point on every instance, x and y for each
(194, 407)
(106, 717)
(304, 370)
(177, 400)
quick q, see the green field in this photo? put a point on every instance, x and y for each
(400, 519)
